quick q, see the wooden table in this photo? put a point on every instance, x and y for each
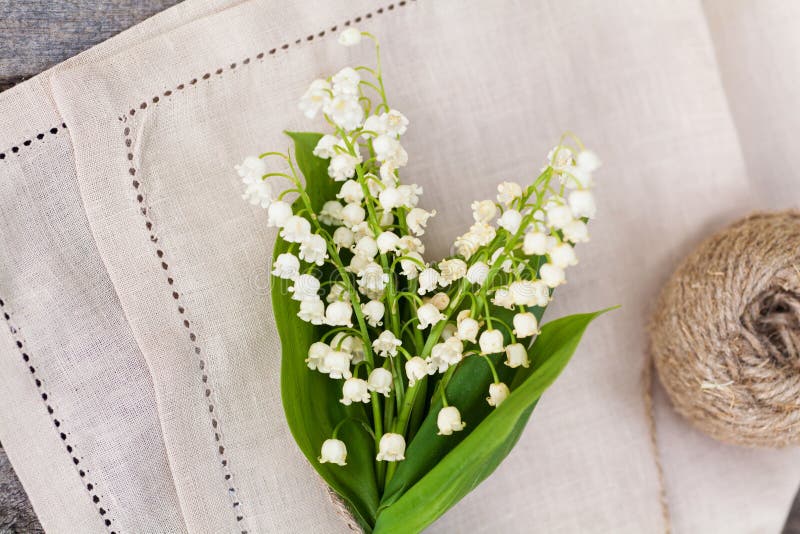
(35, 35)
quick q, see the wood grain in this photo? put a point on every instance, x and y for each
(37, 34)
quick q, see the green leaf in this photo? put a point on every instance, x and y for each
(309, 398)
(477, 455)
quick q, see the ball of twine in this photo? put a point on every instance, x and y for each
(725, 336)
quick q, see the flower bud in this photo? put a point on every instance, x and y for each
(497, 394)
(440, 301)
(350, 37)
(516, 356)
(380, 381)
(333, 451)
(449, 421)
(350, 192)
(392, 448)
(491, 342)
(354, 390)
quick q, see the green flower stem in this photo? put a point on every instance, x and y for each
(491, 366)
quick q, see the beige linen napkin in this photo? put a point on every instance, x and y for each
(156, 127)
(78, 417)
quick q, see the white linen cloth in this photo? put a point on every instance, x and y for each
(137, 278)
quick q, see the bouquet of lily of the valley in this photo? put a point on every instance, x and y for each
(405, 382)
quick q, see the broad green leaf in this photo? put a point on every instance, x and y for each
(310, 399)
(467, 390)
(479, 453)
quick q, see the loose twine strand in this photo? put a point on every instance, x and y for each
(647, 394)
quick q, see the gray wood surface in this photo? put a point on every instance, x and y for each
(35, 35)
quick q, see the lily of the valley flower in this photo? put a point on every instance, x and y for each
(386, 344)
(498, 392)
(491, 342)
(286, 266)
(449, 420)
(333, 451)
(516, 355)
(525, 325)
(354, 390)
(380, 381)
(416, 369)
(391, 448)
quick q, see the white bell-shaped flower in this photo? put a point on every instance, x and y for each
(316, 355)
(343, 237)
(315, 97)
(440, 300)
(503, 298)
(372, 277)
(535, 244)
(417, 220)
(558, 215)
(525, 325)
(416, 369)
(516, 355)
(251, 170)
(468, 328)
(353, 214)
(477, 273)
(380, 381)
(326, 146)
(312, 311)
(498, 392)
(507, 192)
(386, 344)
(428, 280)
(296, 229)
(354, 390)
(351, 191)
(278, 213)
(390, 198)
(343, 165)
(510, 220)
(552, 275)
(367, 247)
(306, 287)
(350, 37)
(491, 342)
(373, 312)
(339, 314)
(387, 242)
(449, 420)
(451, 270)
(524, 293)
(331, 213)
(286, 266)
(337, 364)
(582, 204)
(392, 448)
(576, 232)
(563, 256)
(314, 249)
(588, 161)
(428, 315)
(333, 451)
(483, 210)
(410, 267)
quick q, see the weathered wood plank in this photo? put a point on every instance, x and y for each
(37, 34)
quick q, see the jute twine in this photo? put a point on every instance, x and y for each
(725, 335)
